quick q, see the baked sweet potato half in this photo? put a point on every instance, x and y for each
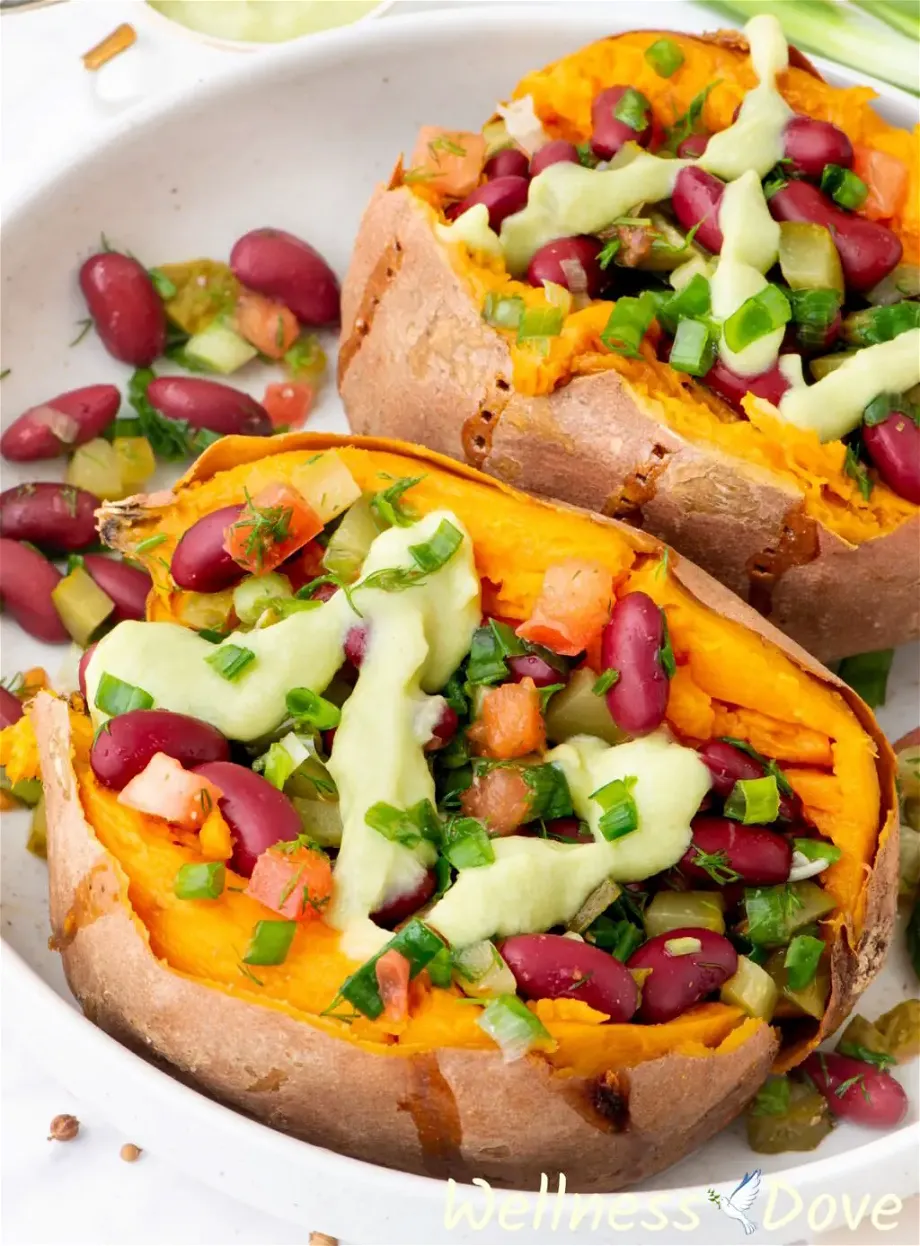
(453, 829)
(676, 283)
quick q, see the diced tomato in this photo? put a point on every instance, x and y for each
(296, 883)
(447, 161)
(510, 723)
(215, 838)
(573, 606)
(167, 790)
(288, 403)
(499, 798)
(273, 525)
(269, 326)
(886, 176)
(392, 970)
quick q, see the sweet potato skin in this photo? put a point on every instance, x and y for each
(418, 362)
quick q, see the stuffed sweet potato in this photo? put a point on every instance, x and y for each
(636, 848)
(610, 298)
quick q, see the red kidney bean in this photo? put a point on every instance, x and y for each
(81, 414)
(569, 262)
(811, 144)
(127, 742)
(894, 448)
(209, 404)
(608, 134)
(356, 645)
(631, 644)
(676, 983)
(558, 151)
(874, 1099)
(758, 856)
(84, 663)
(26, 581)
(868, 249)
(127, 586)
(769, 385)
(503, 196)
(276, 263)
(125, 307)
(257, 813)
(693, 146)
(200, 564)
(510, 162)
(728, 764)
(58, 518)
(532, 666)
(394, 911)
(323, 592)
(696, 198)
(549, 966)
(444, 729)
(570, 829)
(10, 708)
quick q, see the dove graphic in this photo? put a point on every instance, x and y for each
(740, 1200)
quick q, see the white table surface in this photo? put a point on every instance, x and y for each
(57, 1194)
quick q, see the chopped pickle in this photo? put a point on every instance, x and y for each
(811, 1000)
(321, 819)
(206, 611)
(600, 899)
(97, 468)
(909, 772)
(81, 604)
(136, 461)
(752, 989)
(900, 1030)
(311, 781)
(903, 282)
(809, 258)
(774, 914)
(497, 137)
(251, 596)
(801, 1126)
(671, 910)
(348, 545)
(205, 289)
(862, 1038)
(37, 843)
(824, 365)
(670, 247)
(578, 710)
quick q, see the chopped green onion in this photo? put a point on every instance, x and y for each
(283, 758)
(538, 324)
(632, 108)
(689, 122)
(230, 660)
(693, 302)
(844, 187)
(586, 157)
(388, 506)
(620, 937)
(310, 710)
(666, 652)
(621, 814)
(416, 942)
(773, 1098)
(774, 914)
(880, 408)
(202, 881)
(114, 696)
(801, 963)
(854, 467)
(754, 801)
(693, 350)
(881, 324)
(768, 763)
(608, 252)
(270, 943)
(867, 675)
(605, 682)
(431, 555)
(503, 311)
(405, 826)
(665, 57)
(514, 1028)
(466, 844)
(549, 792)
(764, 313)
(440, 968)
(814, 311)
(489, 648)
(150, 542)
(817, 850)
(628, 324)
(211, 636)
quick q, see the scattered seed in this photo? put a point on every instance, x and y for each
(323, 1239)
(130, 1153)
(64, 1128)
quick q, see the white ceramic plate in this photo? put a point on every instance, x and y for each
(297, 138)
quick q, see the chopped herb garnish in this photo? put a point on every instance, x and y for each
(586, 156)
(689, 122)
(270, 943)
(856, 469)
(166, 288)
(308, 709)
(150, 542)
(665, 57)
(443, 143)
(230, 660)
(773, 1098)
(850, 1081)
(632, 108)
(389, 507)
(85, 326)
(266, 525)
(769, 765)
(880, 1059)
(419, 944)
(200, 881)
(716, 866)
(170, 440)
(114, 696)
(801, 963)
(608, 252)
(605, 682)
(621, 814)
(666, 652)
(429, 556)
(405, 826)
(467, 844)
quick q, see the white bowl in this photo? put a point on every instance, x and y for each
(297, 138)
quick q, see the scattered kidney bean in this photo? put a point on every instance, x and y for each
(769, 385)
(894, 448)
(56, 426)
(127, 586)
(26, 581)
(868, 249)
(811, 144)
(572, 830)
(284, 267)
(678, 982)
(10, 708)
(257, 813)
(696, 198)
(557, 151)
(60, 519)
(758, 856)
(200, 564)
(356, 645)
(397, 909)
(503, 196)
(127, 742)
(872, 1098)
(608, 133)
(209, 404)
(728, 764)
(549, 966)
(125, 307)
(84, 663)
(509, 162)
(693, 146)
(631, 645)
(532, 666)
(444, 729)
(569, 262)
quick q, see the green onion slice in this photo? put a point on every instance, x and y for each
(605, 681)
(466, 844)
(665, 57)
(388, 506)
(801, 963)
(270, 943)
(419, 944)
(881, 324)
(431, 555)
(817, 850)
(764, 313)
(666, 652)
(693, 350)
(867, 674)
(628, 324)
(856, 468)
(203, 880)
(769, 764)
(632, 108)
(440, 968)
(754, 801)
(114, 696)
(844, 187)
(514, 1028)
(693, 302)
(538, 324)
(310, 710)
(230, 660)
(618, 936)
(621, 814)
(503, 311)
(405, 826)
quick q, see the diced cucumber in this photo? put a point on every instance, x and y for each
(219, 349)
(349, 544)
(481, 971)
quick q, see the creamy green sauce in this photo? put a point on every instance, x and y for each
(473, 230)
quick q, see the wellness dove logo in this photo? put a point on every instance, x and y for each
(740, 1200)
